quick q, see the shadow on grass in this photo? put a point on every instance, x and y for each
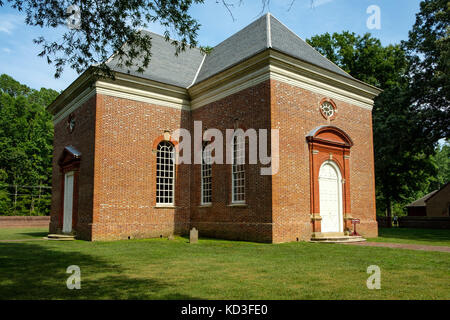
(34, 234)
(426, 235)
(29, 271)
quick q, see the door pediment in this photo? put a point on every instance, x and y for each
(330, 135)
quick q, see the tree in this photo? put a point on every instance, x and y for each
(94, 30)
(403, 163)
(442, 160)
(428, 50)
(26, 138)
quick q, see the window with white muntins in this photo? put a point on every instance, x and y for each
(238, 169)
(206, 174)
(165, 173)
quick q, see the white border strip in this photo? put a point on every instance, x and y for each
(74, 104)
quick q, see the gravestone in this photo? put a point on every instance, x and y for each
(170, 237)
(193, 236)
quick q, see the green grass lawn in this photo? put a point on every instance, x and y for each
(216, 269)
(22, 233)
(430, 237)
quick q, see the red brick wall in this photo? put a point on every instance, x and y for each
(251, 108)
(83, 139)
(124, 193)
(119, 201)
(295, 112)
(24, 221)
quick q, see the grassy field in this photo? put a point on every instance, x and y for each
(22, 233)
(430, 237)
(215, 269)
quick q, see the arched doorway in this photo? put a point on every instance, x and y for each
(329, 160)
(330, 197)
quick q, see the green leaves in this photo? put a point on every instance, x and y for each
(26, 138)
(428, 50)
(102, 27)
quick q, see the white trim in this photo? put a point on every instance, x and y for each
(164, 162)
(202, 187)
(121, 91)
(237, 165)
(321, 88)
(69, 190)
(74, 104)
(247, 81)
(269, 64)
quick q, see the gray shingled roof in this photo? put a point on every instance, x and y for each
(257, 37)
(266, 32)
(164, 65)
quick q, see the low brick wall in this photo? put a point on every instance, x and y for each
(24, 221)
(425, 222)
(384, 222)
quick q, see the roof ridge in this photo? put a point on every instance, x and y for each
(170, 39)
(198, 71)
(268, 31)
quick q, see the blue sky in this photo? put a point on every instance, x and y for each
(18, 53)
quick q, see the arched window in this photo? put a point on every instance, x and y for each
(206, 174)
(165, 173)
(238, 169)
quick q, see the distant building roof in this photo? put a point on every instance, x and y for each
(188, 67)
(421, 202)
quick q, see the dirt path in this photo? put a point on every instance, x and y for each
(402, 246)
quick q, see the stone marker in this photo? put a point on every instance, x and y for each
(170, 237)
(193, 236)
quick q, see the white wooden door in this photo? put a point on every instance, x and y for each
(330, 192)
(68, 202)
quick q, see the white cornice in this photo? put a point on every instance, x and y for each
(274, 65)
(269, 64)
(148, 96)
(125, 87)
(74, 104)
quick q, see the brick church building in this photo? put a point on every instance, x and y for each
(113, 172)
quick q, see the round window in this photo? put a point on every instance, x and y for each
(328, 110)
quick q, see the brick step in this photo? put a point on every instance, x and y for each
(65, 237)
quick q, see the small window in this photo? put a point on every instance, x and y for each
(165, 173)
(206, 175)
(328, 109)
(238, 169)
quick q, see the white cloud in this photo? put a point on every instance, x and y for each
(7, 50)
(8, 22)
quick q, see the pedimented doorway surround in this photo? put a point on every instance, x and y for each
(329, 162)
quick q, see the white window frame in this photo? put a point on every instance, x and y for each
(238, 169)
(165, 156)
(206, 174)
